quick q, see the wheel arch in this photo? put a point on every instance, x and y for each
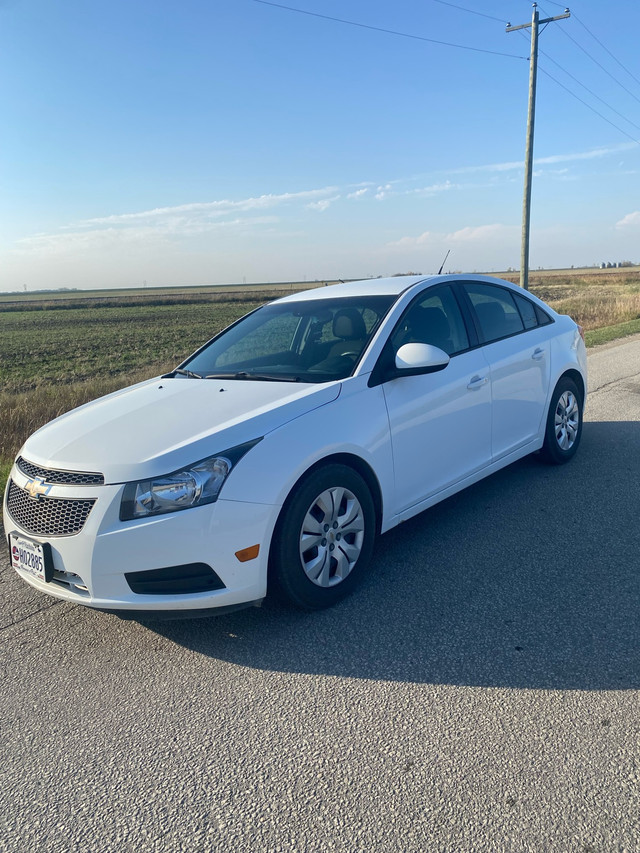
(350, 460)
(578, 379)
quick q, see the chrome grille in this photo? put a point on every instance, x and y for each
(60, 478)
(46, 516)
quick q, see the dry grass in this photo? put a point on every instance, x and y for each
(22, 414)
(57, 356)
(594, 298)
(593, 311)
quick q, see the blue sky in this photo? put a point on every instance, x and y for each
(196, 142)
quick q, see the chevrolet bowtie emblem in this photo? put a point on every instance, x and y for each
(37, 487)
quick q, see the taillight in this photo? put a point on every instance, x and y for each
(581, 330)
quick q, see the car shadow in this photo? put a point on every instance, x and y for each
(528, 579)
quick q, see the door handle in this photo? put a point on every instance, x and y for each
(538, 354)
(477, 382)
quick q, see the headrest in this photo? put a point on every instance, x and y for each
(429, 325)
(492, 318)
(349, 325)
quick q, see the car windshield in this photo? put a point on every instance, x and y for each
(307, 341)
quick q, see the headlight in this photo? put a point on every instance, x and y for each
(193, 486)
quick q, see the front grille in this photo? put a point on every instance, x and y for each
(60, 478)
(46, 516)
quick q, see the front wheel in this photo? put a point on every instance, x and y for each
(324, 538)
(564, 423)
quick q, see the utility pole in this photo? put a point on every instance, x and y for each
(528, 168)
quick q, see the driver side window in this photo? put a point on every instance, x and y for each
(435, 319)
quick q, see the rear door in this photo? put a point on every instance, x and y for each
(517, 348)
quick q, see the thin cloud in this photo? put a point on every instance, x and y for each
(594, 154)
(208, 208)
(358, 193)
(468, 235)
(383, 191)
(164, 224)
(433, 189)
(323, 204)
(630, 220)
(142, 237)
(508, 166)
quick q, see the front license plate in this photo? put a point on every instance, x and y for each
(31, 557)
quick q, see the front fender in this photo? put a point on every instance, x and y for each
(355, 423)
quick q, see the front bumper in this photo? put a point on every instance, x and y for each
(90, 566)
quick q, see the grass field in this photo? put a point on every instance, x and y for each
(53, 358)
(60, 350)
(595, 298)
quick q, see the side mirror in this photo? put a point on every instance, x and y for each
(414, 359)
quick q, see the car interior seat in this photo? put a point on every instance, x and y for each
(430, 326)
(493, 320)
(349, 327)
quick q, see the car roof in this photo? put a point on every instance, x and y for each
(393, 286)
(368, 287)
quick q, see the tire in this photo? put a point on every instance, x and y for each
(324, 538)
(564, 423)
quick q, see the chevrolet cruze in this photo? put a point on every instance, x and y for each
(274, 455)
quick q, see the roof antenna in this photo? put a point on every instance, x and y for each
(444, 262)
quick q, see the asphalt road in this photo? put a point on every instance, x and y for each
(481, 691)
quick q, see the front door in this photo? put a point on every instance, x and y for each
(440, 423)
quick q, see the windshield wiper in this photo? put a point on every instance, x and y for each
(190, 373)
(260, 377)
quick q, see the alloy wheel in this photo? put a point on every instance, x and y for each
(567, 420)
(332, 536)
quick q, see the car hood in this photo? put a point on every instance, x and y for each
(162, 425)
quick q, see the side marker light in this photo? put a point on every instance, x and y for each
(248, 553)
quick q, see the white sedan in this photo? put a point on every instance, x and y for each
(275, 454)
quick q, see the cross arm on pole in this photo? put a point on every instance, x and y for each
(510, 29)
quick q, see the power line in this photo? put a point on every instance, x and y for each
(388, 32)
(580, 83)
(583, 102)
(589, 107)
(593, 59)
(604, 47)
(470, 11)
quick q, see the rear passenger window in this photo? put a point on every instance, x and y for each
(496, 311)
(527, 312)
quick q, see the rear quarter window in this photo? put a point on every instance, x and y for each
(527, 312)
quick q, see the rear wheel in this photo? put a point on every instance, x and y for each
(564, 423)
(324, 539)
